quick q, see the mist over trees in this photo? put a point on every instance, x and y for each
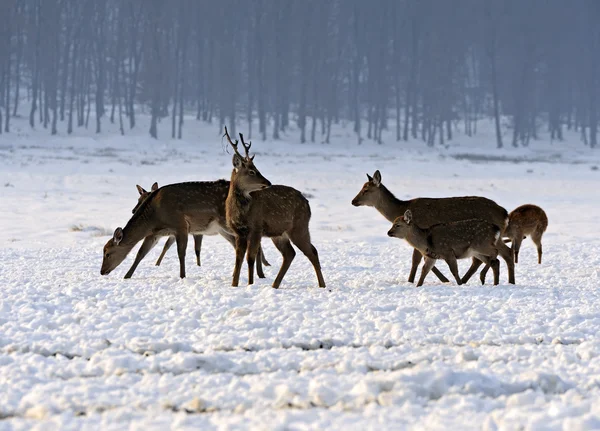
(422, 69)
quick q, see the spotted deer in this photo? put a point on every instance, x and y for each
(428, 212)
(256, 208)
(176, 210)
(475, 238)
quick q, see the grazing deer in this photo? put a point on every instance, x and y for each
(172, 210)
(522, 221)
(526, 220)
(429, 212)
(197, 238)
(255, 208)
(455, 240)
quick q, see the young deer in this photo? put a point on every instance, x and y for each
(197, 238)
(255, 208)
(455, 240)
(177, 210)
(429, 212)
(522, 221)
(526, 220)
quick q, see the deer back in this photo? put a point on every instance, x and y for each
(431, 211)
(526, 219)
(462, 237)
(278, 209)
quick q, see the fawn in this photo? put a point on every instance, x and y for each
(255, 208)
(455, 240)
(526, 220)
(522, 221)
(429, 212)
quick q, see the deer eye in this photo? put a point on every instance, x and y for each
(107, 255)
(252, 173)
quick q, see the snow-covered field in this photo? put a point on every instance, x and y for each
(82, 351)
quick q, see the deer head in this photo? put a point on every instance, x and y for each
(245, 174)
(401, 225)
(143, 195)
(370, 192)
(114, 252)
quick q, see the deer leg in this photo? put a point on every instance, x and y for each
(429, 263)
(259, 269)
(147, 245)
(288, 253)
(484, 271)
(489, 263)
(309, 250)
(167, 246)
(241, 243)
(416, 259)
(506, 254)
(496, 270)
(264, 260)
(451, 261)
(472, 270)
(197, 247)
(253, 250)
(536, 237)
(182, 240)
(516, 246)
(439, 275)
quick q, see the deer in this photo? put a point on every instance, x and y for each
(176, 210)
(525, 220)
(429, 212)
(197, 238)
(255, 208)
(450, 241)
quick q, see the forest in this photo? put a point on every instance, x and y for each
(419, 69)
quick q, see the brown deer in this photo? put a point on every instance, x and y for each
(255, 208)
(197, 238)
(454, 240)
(526, 220)
(172, 210)
(430, 211)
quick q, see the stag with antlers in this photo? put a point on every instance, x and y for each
(254, 208)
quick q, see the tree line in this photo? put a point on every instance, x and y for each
(420, 68)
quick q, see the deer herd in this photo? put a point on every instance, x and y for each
(248, 208)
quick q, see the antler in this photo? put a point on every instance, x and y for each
(246, 147)
(234, 146)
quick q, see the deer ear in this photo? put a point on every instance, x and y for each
(407, 216)
(369, 177)
(154, 187)
(252, 158)
(237, 161)
(118, 236)
(140, 189)
(377, 178)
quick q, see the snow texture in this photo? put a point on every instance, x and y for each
(371, 351)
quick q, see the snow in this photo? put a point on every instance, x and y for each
(371, 351)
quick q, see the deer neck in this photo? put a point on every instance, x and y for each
(388, 205)
(418, 238)
(138, 227)
(237, 205)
